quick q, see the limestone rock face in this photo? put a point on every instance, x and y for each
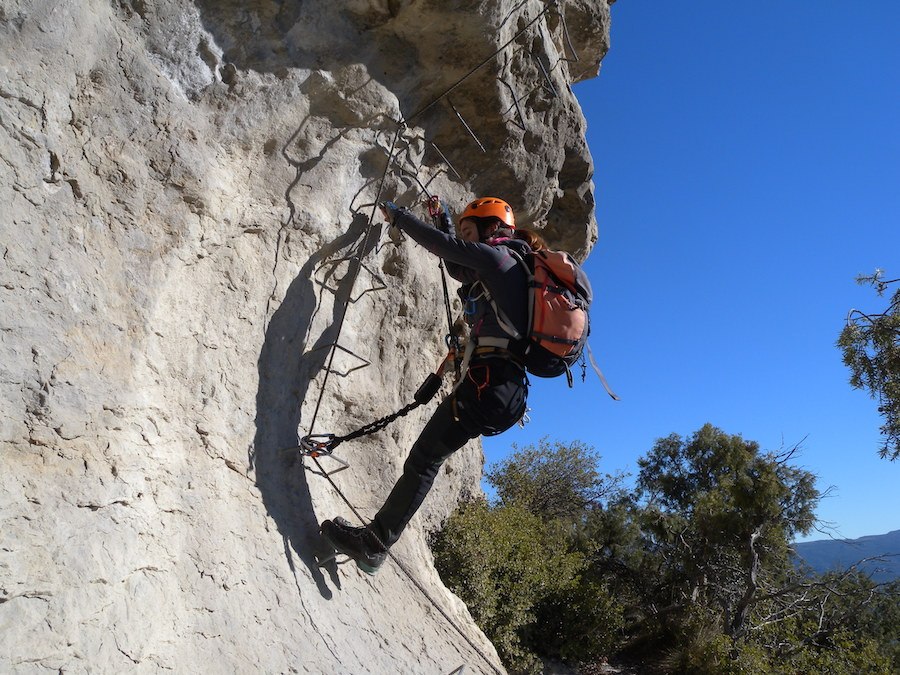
(187, 192)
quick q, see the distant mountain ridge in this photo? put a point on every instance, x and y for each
(837, 554)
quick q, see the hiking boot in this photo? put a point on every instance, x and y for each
(359, 543)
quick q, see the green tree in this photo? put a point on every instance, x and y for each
(552, 480)
(580, 624)
(838, 622)
(716, 515)
(693, 566)
(871, 349)
(561, 483)
(519, 563)
(502, 561)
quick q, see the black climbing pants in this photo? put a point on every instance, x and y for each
(490, 400)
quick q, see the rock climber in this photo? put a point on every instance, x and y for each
(490, 395)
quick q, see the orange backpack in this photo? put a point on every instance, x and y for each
(559, 296)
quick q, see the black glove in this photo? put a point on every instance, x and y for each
(389, 210)
(444, 223)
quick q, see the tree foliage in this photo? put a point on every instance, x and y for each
(693, 566)
(717, 515)
(517, 564)
(502, 562)
(871, 350)
(552, 480)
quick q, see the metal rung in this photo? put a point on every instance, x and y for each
(343, 465)
(550, 85)
(334, 345)
(466, 125)
(521, 122)
(444, 157)
(568, 41)
(362, 266)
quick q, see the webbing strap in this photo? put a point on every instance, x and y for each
(499, 343)
(503, 320)
(546, 337)
(467, 356)
(600, 374)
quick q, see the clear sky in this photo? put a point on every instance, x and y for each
(747, 170)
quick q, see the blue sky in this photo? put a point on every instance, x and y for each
(747, 170)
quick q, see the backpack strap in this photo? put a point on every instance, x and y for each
(600, 373)
(502, 318)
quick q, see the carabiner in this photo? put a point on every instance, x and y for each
(434, 206)
(317, 445)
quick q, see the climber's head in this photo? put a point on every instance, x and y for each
(486, 218)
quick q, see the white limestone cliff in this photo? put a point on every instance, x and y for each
(184, 185)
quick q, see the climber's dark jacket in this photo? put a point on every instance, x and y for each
(491, 395)
(470, 262)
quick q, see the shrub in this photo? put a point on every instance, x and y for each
(502, 562)
(580, 624)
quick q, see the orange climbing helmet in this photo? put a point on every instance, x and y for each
(490, 207)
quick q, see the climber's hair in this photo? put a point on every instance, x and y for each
(533, 239)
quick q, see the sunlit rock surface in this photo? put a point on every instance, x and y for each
(187, 189)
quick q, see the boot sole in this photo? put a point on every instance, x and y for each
(365, 567)
(368, 569)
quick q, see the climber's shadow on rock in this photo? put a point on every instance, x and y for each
(287, 367)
